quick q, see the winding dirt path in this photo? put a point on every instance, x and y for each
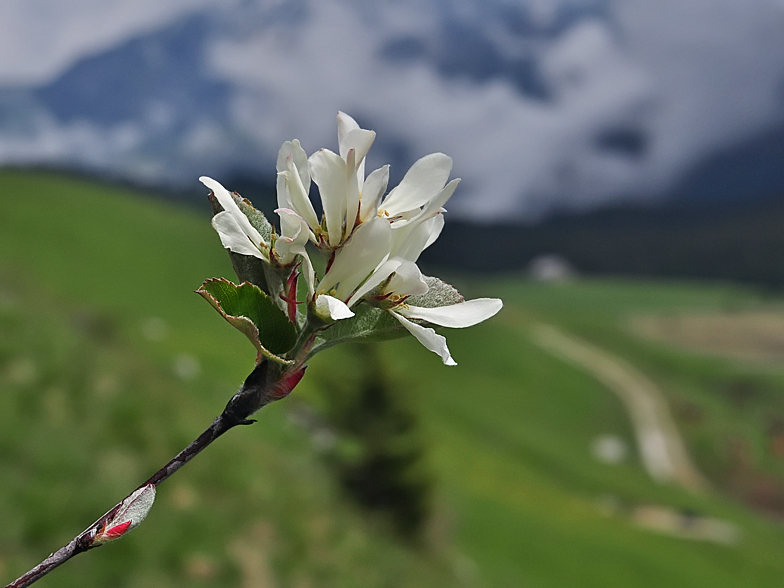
(661, 448)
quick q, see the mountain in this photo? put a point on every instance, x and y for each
(147, 76)
(567, 105)
(728, 240)
(748, 170)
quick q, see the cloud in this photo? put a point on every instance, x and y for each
(40, 38)
(516, 154)
(634, 99)
(581, 102)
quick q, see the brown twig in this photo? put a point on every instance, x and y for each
(263, 385)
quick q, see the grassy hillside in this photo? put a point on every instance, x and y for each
(109, 365)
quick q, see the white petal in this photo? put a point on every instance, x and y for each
(434, 230)
(436, 204)
(381, 273)
(359, 256)
(298, 196)
(294, 234)
(332, 308)
(329, 173)
(372, 191)
(290, 223)
(229, 206)
(429, 338)
(282, 191)
(422, 183)
(307, 271)
(300, 159)
(350, 136)
(233, 237)
(360, 141)
(346, 124)
(407, 281)
(463, 314)
(409, 240)
(284, 251)
(433, 207)
(352, 194)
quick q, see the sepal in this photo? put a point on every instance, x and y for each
(439, 293)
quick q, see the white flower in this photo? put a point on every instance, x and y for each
(372, 241)
(239, 236)
(348, 198)
(462, 314)
(423, 187)
(406, 280)
(233, 227)
(415, 212)
(341, 179)
(293, 184)
(416, 225)
(407, 245)
(357, 260)
(291, 243)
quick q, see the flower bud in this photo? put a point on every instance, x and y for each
(287, 384)
(131, 512)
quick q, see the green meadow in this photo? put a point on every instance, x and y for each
(110, 364)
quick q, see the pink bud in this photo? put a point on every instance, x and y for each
(116, 531)
(287, 384)
(129, 515)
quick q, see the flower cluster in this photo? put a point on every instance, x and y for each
(371, 239)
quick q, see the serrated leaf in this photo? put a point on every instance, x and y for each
(252, 312)
(368, 322)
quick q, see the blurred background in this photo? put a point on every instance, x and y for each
(621, 423)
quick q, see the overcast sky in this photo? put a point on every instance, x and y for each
(684, 78)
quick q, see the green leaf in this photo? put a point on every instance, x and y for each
(368, 322)
(254, 313)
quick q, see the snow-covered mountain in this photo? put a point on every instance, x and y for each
(541, 103)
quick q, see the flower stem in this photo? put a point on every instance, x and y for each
(252, 396)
